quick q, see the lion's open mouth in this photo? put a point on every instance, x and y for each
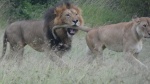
(71, 31)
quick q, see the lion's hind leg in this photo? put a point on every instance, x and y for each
(16, 51)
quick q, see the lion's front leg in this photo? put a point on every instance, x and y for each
(51, 53)
(129, 56)
(55, 58)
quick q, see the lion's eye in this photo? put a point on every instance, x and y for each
(67, 15)
(144, 25)
(76, 14)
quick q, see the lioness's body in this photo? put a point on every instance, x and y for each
(104, 36)
(28, 32)
(122, 37)
(111, 36)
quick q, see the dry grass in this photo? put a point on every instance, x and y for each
(37, 69)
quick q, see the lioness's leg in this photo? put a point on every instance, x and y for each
(90, 57)
(136, 55)
(96, 47)
(135, 62)
(90, 44)
(99, 54)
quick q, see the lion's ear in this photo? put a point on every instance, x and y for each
(77, 9)
(59, 10)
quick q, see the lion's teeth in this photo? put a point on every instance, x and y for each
(72, 31)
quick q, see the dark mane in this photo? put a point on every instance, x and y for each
(49, 17)
(49, 14)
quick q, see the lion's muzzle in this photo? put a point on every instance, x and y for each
(75, 22)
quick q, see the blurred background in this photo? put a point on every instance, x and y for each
(37, 69)
(95, 12)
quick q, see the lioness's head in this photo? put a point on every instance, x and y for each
(143, 26)
(68, 14)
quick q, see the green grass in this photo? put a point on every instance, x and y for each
(98, 15)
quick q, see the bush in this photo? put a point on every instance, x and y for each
(96, 12)
(27, 9)
(135, 7)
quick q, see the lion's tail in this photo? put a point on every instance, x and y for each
(4, 46)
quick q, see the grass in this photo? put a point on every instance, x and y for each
(97, 14)
(37, 69)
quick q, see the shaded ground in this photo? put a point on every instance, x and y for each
(37, 69)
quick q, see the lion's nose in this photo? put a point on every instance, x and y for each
(75, 21)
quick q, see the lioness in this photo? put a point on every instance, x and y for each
(123, 37)
(38, 34)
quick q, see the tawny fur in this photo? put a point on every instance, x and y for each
(123, 37)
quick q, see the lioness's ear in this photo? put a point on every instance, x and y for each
(149, 20)
(136, 19)
(134, 16)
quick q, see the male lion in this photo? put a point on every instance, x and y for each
(38, 35)
(123, 37)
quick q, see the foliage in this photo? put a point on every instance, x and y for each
(95, 15)
(28, 9)
(135, 7)
(96, 12)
